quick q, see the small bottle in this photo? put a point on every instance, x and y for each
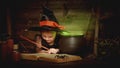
(16, 54)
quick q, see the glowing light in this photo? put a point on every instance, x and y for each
(72, 33)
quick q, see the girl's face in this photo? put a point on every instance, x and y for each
(49, 36)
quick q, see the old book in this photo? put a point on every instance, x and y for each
(57, 58)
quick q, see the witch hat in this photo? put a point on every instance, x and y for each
(48, 15)
(48, 21)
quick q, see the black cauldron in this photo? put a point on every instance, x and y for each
(71, 44)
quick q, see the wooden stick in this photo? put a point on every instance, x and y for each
(32, 42)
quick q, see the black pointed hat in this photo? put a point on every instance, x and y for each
(48, 15)
(48, 21)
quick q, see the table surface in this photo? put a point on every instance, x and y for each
(43, 64)
(73, 64)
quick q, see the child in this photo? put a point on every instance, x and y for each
(49, 33)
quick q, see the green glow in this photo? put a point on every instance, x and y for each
(76, 23)
(65, 33)
(71, 33)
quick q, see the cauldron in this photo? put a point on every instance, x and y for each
(71, 44)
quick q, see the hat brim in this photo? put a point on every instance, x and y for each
(44, 28)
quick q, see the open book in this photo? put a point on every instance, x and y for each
(58, 58)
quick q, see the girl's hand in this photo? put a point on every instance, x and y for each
(38, 42)
(53, 51)
(39, 45)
